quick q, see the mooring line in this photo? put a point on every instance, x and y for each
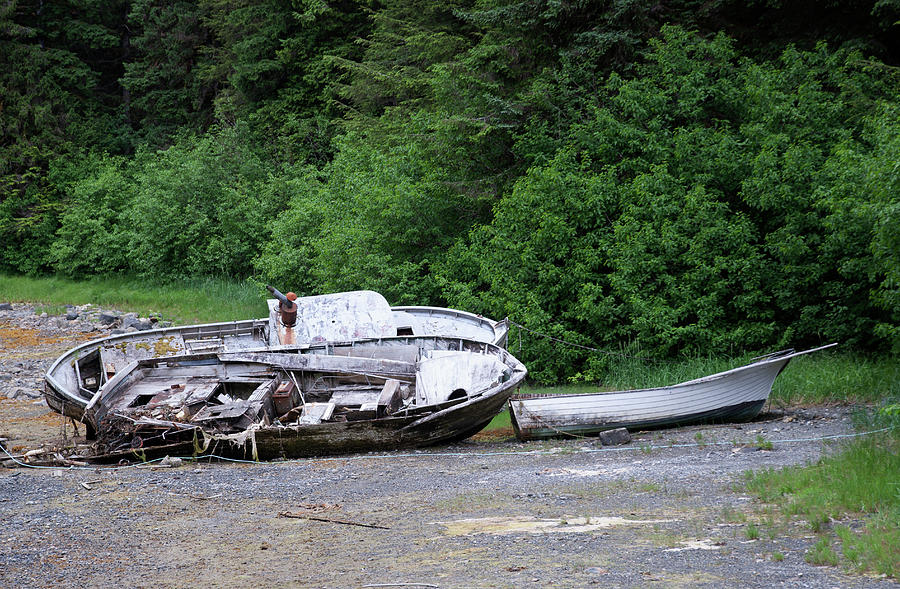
(642, 448)
(574, 345)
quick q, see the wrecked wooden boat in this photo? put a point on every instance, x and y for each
(734, 395)
(77, 375)
(291, 401)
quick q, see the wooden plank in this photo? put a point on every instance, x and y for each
(316, 413)
(323, 363)
(389, 400)
(355, 398)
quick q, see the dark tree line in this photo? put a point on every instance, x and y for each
(677, 176)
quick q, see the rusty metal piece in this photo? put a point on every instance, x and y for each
(287, 308)
(283, 399)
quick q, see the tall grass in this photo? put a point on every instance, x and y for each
(838, 376)
(828, 376)
(187, 301)
(832, 495)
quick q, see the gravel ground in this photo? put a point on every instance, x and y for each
(667, 510)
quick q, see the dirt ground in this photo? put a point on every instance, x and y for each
(667, 510)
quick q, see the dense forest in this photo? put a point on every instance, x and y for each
(658, 178)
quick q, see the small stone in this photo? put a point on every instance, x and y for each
(72, 315)
(171, 462)
(596, 571)
(615, 437)
(16, 394)
(5, 307)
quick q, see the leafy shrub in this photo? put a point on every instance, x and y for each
(708, 203)
(201, 207)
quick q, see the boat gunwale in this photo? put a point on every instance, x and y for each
(73, 354)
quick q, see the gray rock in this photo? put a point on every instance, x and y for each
(615, 437)
(144, 325)
(108, 318)
(72, 315)
(18, 394)
(171, 462)
(5, 307)
(130, 320)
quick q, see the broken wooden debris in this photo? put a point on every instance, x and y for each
(402, 585)
(204, 497)
(318, 518)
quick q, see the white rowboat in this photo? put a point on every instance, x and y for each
(734, 395)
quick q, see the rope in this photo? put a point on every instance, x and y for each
(574, 345)
(643, 448)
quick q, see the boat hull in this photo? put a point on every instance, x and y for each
(329, 439)
(75, 376)
(224, 404)
(735, 395)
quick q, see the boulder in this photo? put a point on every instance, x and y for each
(615, 437)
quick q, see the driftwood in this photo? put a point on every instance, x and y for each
(329, 520)
(402, 585)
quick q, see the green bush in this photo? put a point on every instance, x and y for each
(202, 207)
(708, 203)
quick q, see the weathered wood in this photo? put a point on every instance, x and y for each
(323, 363)
(476, 385)
(389, 400)
(331, 520)
(316, 413)
(357, 397)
